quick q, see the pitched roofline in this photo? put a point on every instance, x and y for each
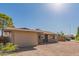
(30, 30)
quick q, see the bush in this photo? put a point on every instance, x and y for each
(1, 46)
(77, 38)
(67, 39)
(8, 47)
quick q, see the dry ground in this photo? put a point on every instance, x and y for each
(54, 49)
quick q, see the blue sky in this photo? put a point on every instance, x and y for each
(43, 17)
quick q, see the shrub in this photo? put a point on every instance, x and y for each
(1, 46)
(67, 39)
(8, 47)
(77, 35)
(77, 38)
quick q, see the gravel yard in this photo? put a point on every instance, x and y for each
(55, 49)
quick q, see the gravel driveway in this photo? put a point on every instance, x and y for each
(54, 49)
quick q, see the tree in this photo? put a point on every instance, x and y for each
(61, 36)
(7, 19)
(61, 33)
(77, 35)
(78, 31)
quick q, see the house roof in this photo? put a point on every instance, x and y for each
(45, 32)
(19, 29)
(30, 30)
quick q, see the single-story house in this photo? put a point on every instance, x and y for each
(29, 37)
(22, 37)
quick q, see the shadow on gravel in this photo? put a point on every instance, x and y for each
(25, 49)
(48, 43)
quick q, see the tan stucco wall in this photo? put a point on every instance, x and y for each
(23, 38)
